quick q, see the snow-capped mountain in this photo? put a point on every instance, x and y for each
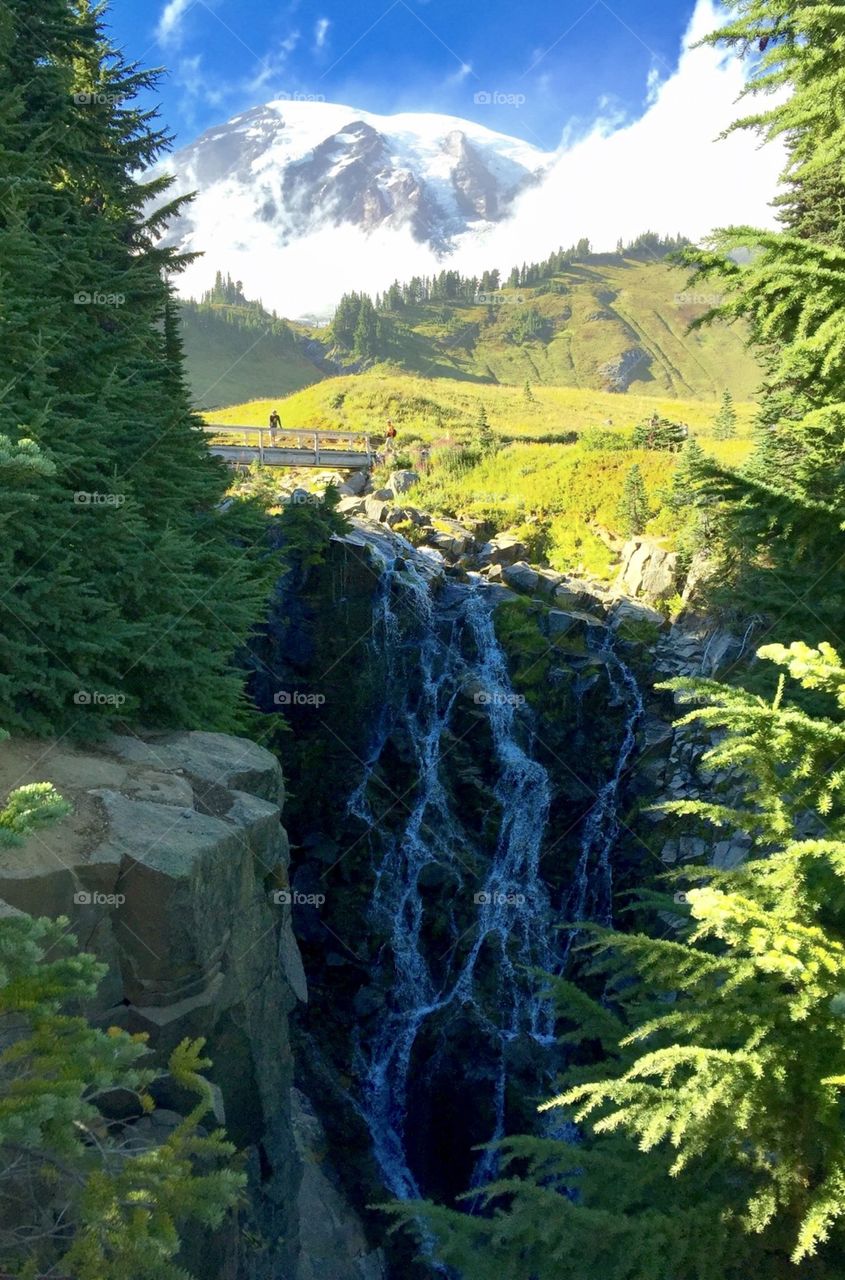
(341, 186)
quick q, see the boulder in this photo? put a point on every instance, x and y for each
(648, 570)
(728, 854)
(547, 583)
(448, 546)
(333, 1243)
(351, 506)
(402, 481)
(386, 495)
(521, 577)
(634, 611)
(451, 539)
(298, 497)
(568, 595)
(375, 508)
(354, 484)
(503, 549)
(571, 624)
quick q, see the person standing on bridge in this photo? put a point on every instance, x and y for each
(275, 425)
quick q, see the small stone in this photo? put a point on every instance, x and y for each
(692, 848)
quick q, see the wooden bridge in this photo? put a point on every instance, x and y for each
(286, 448)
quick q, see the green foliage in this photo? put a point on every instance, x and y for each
(485, 435)
(724, 424)
(633, 511)
(36, 805)
(234, 351)
(567, 329)
(782, 514)
(568, 481)
(99, 1205)
(118, 573)
(660, 433)
(711, 1135)
(601, 439)
(304, 529)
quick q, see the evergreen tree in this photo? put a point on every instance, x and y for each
(527, 393)
(724, 424)
(633, 512)
(660, 433)
(484, 432)
(121, 576)
(782, 514)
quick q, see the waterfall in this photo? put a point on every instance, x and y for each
(434, 657)
(591, 895)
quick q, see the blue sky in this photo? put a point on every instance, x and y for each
(551, 68)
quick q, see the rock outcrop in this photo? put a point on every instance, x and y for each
(648, 570)
(173, 869)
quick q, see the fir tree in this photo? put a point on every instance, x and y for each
(782, 514)
(660, 433)
(484, 432)
(121, 577)
(527, 393)
(633, 512)
(724, 424)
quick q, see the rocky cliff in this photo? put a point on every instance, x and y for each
(173, 870)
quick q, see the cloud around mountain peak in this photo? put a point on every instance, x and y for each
(304, 200)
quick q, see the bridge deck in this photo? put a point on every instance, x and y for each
(291, 448)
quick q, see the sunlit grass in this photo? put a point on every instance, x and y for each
(429, 409)
(562, 497)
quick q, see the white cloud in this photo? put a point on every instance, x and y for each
(272, 67)
(652, 86)
(667, 171)
(321, 30)
(196, 85)
(463, 72)
(169, 29)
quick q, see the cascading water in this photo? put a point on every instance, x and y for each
(591, 894)
(434, 656)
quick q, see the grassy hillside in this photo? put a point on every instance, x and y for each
(230, 356)
(606, 324)
(562, 497)
(434, 408)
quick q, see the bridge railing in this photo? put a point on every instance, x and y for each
(310, 440)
